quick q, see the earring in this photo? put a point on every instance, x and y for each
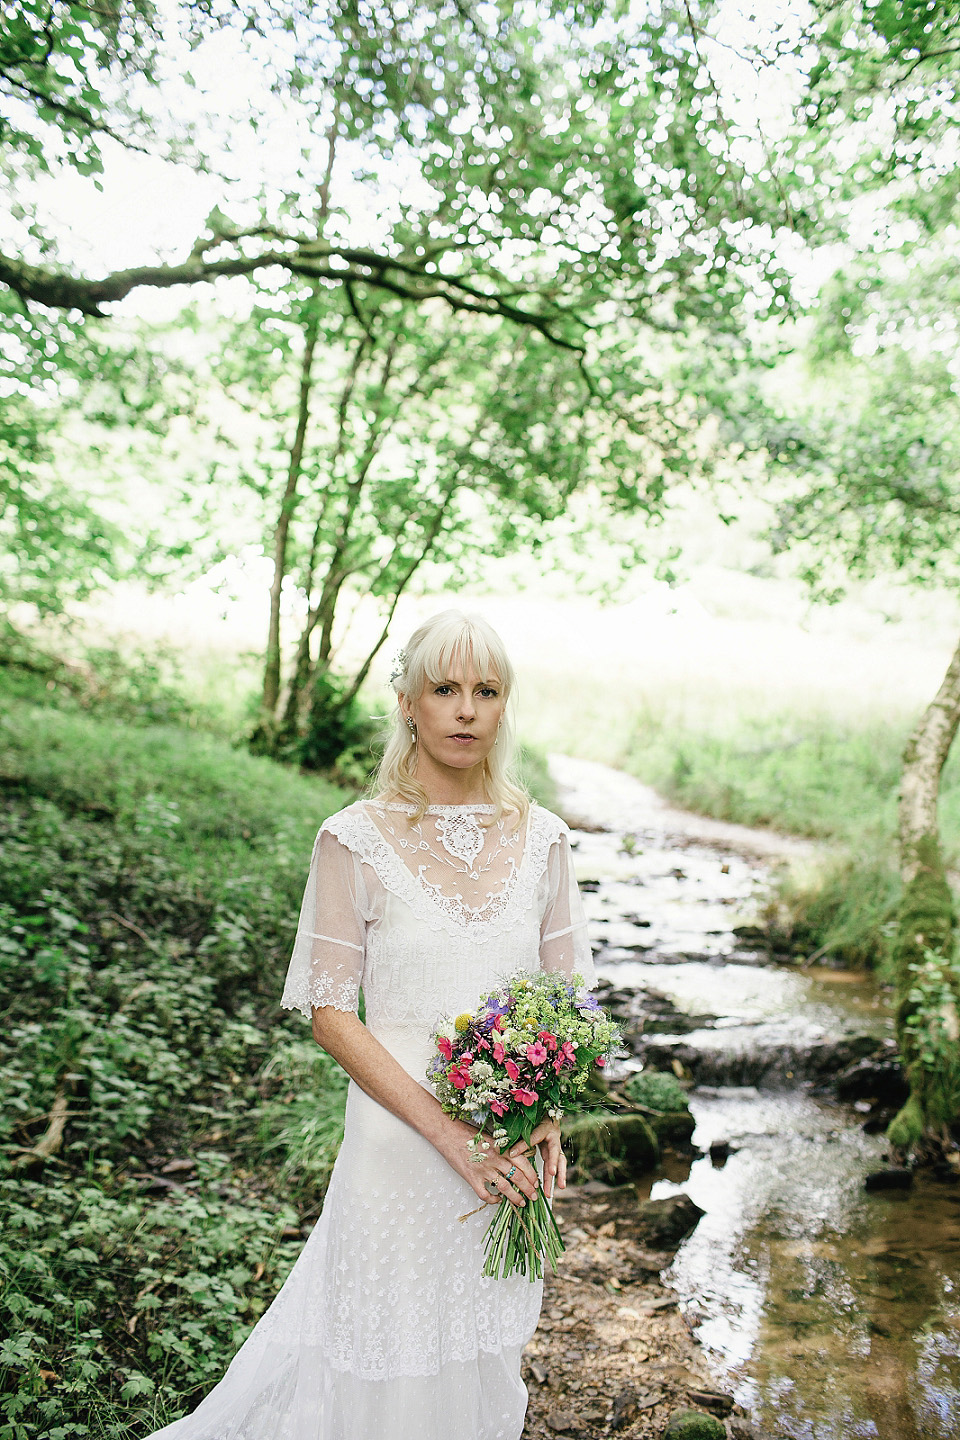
(412, 727)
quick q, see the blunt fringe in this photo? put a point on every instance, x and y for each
(445, 640)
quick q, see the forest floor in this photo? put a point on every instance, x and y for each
(612, 1354)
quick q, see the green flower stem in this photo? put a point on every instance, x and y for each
(519, 1240)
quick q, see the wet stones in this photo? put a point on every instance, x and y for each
(771, 1061)
(666, 1223)
(894, 1178)
(878, 1078)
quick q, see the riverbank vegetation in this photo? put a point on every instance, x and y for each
(166, 1129)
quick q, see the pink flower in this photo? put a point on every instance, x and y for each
(536, 1053)
(498, 1053)
(459, 1077)
(444, 1046)
(568, 1052)
(599, 1062)
(549, 1040)
(483, 1044)
(525, 1097)
(512, 1070)
(497, 1108)
(559, 1064)
(498, 1023)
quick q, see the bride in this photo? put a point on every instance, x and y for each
(448, 880)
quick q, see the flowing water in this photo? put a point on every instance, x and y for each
(830, 1313)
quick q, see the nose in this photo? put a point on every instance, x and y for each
(467, 709)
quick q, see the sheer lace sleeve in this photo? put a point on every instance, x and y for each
(564, 944)
(326, 967)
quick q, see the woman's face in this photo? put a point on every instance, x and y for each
(457, 718)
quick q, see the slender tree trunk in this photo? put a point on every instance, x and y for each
(401, 585)
(271, 669)
(281, 534)
(923, 760)
(927, 978)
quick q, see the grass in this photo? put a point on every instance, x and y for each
(151, 878)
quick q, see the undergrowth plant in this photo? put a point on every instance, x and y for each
(166, 1131)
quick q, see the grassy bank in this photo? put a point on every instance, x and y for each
(825, 777)
(151, 881)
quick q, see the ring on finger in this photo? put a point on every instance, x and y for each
(491, 1185)
(511, 1172)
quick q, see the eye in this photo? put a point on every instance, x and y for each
(441, 690)
(488, 692)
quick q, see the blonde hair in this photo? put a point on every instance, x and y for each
(437, 645)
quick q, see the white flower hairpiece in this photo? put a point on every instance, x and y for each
(399, 666)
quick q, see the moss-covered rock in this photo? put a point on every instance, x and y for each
(694, 1425)
(611, 1147)
(928, 1004)
(657, 1090)
(674, 1128)
(661, 1094)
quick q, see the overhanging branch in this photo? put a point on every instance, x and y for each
(312, 259)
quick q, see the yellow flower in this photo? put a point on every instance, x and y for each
(462, 1023)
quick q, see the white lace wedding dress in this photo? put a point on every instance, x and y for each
(384, 1329)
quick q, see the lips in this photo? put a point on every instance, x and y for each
(462, 735)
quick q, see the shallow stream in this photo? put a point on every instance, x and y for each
(828, 1312)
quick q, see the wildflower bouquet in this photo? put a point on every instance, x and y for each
(523, 1056)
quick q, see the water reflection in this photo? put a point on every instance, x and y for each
(830, 1313)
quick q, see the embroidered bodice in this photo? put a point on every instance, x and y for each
(424, 914)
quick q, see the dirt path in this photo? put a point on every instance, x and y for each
(587, 788)
(612, 1355)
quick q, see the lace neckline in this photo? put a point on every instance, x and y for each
(464, 905)
(478, 807)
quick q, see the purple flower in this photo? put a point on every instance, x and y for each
(494, 1009)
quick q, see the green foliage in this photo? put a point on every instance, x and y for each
(804, 774)
(301, 1123)
(610, 1147)
(928, 1002)
(58, 63)
(141, 687)
(807, 775)
(845, 910)
(151, 880)
(535, 772)
(657, 1090)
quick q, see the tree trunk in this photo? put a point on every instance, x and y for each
(927, 979)
(271, 669)
(923, 760)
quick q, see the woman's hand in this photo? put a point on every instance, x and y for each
(547, 1137)
(488, 1177)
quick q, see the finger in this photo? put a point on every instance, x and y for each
(509, 1190)
(520, 1175)
(542, 1131)
(562, 1171)
(550, 1150)
(525, 1157)
(525, 1177)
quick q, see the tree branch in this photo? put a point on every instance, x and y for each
(313, 259)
